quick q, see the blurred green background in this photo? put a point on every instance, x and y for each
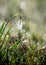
(23, 32)
(33, 12)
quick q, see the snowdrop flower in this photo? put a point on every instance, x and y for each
(19, 24)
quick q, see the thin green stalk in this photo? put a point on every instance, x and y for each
(7, 21)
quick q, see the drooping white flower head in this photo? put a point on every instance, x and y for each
(19, 24)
